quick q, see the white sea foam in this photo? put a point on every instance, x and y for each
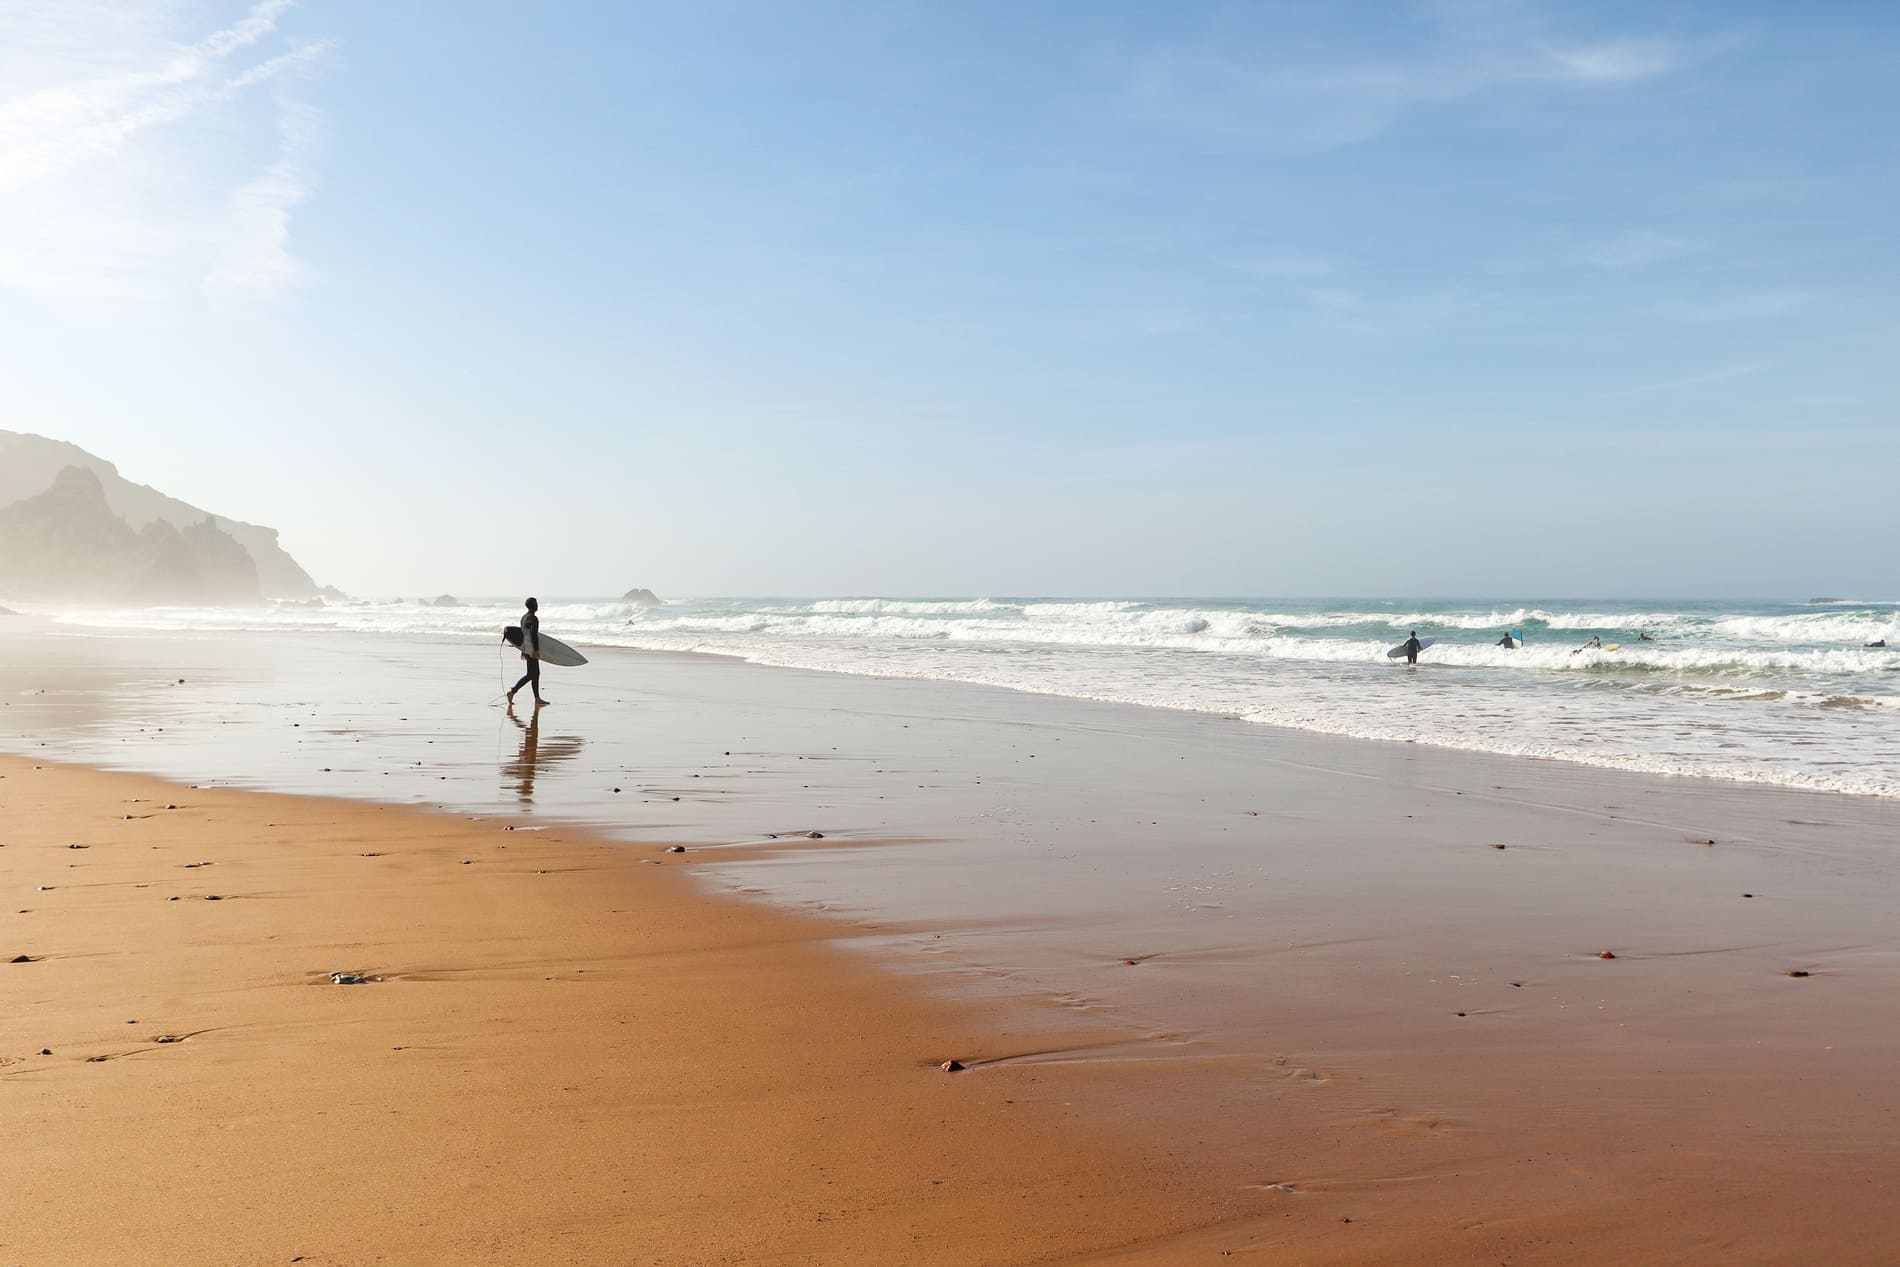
(1857, 628)
(1765, 692)
(909, 607)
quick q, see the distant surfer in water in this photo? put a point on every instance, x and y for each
(1595, 641)
(531, 652)
(1507, 642)
(1412, 648)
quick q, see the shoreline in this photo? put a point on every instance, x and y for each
(1376, 726)
(1311, 979)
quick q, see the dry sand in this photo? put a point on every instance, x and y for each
(563, 1054)
(1374, 1039)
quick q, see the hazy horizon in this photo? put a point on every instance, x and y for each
(1491, 298)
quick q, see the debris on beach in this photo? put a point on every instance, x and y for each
(168, 1038)
(676, 848)
(1799, 972)
(1606, 954)
(814, 835)
(953, 1066)
(1500, 846)
(22, 959)
(348, 978)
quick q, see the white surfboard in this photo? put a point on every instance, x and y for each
(1398, 652)
(553, 650)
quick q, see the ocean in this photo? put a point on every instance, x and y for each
(1767, 692)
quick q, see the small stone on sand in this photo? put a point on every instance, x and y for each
(676, 848)
(952, 1066)
(1606, 954)
(814, 835)
(1799, 972)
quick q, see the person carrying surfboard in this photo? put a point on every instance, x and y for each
(1412, 647)
(531, 652)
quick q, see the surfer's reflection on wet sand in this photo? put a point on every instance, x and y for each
(535, 755)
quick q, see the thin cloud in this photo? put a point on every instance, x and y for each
(256, 254)
(1617, 61)
(1633, 250)
(1283, 264)
(115, 138)
(1747, 306)
(1310, 103)
(1720, 374)
(1352, 310)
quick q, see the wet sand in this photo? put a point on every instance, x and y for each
(1291, 972)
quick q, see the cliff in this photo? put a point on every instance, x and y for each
(29, 464)
(67, 544)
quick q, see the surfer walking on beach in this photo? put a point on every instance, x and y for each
(531, 652)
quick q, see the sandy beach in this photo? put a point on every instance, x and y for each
(560, 1052)
(1224, 992)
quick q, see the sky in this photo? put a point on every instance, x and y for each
(1483, 298)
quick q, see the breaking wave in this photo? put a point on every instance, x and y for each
(1783, 693)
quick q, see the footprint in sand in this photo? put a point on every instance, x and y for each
(1412, 1125)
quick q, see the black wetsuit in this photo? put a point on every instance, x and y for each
(530, 647)
(1412, 648)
